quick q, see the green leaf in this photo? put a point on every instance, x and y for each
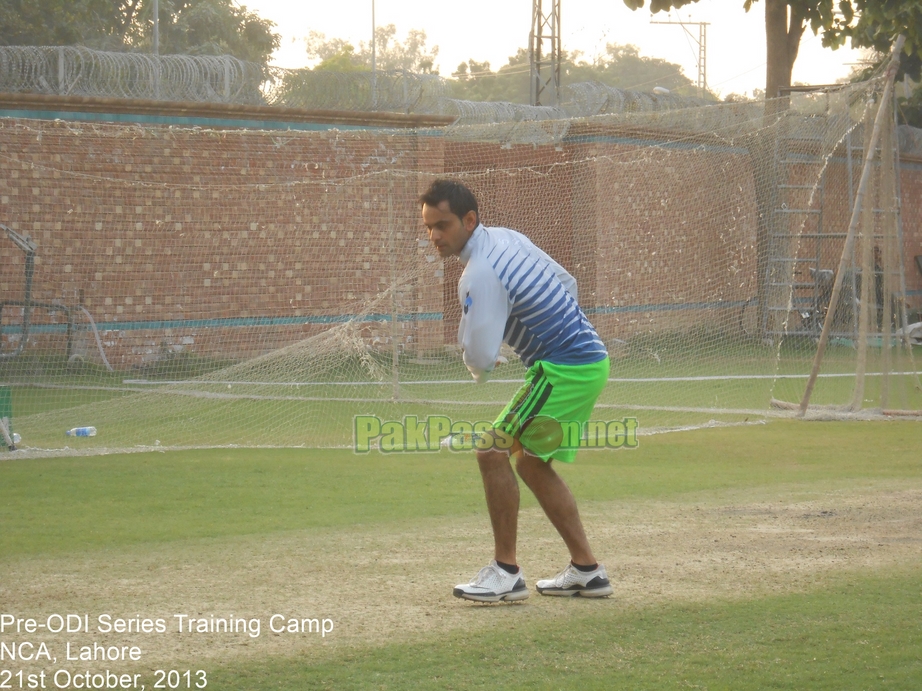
(847, 11)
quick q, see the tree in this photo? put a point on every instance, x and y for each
(878, 22)
(867, 22)
(476, 81)
(197, 27)
(344, 61)
(333, 54)
(877, 25)
(621, 67)
(325, 86)
(910, 109)
(92, 23)
(212, 27)
(410, 55)
(208, 27)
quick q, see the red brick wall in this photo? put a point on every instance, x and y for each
(178, 229)
(167, 225)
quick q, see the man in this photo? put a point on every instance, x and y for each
(512, 291)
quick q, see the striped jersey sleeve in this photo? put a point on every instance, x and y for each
(513, 291)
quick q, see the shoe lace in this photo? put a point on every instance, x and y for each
(565, 575)
(485, 573)
(493, 576)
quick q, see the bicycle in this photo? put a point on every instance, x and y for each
(805, 316)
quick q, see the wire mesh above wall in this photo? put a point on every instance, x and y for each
(397, 91)
(594, 98)
(77, 71)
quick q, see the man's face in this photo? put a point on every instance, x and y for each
(447, 232)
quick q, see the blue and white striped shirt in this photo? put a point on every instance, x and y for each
(512, 291)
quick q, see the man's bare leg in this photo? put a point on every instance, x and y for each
(558, 503)
(502, 582)
(502, 492)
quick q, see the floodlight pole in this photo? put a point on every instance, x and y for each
(702, 52)
(545, 32)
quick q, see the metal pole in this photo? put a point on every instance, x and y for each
(534, 55)
(903, 316)
(156, 27)
(395, 316)
(374, 70)
(156, 49)
(61, 78)
(29, 247)
(702, 58)
(544, 28)
(702, 83)
(853, 225)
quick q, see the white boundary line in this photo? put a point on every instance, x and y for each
(430, 382)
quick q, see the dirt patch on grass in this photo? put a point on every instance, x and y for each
(385, 583)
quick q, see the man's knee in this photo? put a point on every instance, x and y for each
(530, 467)
(492, 458)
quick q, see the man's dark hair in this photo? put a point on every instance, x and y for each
(460, 199)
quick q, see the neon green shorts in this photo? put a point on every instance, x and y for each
(548, 413)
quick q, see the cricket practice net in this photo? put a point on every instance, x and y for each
(175, 286)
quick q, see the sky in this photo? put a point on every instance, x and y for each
(492, 30)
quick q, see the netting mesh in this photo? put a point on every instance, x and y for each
(196, 287)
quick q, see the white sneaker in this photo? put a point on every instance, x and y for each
(493, 584)
(571, 581)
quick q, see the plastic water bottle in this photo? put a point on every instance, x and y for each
(81, 432)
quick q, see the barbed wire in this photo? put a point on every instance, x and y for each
(392, 91)
(594, 98)
(79, 71)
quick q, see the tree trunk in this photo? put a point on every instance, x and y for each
(782, 41)
(777, 68)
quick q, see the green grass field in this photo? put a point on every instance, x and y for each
(664, 383)
(783, 555)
